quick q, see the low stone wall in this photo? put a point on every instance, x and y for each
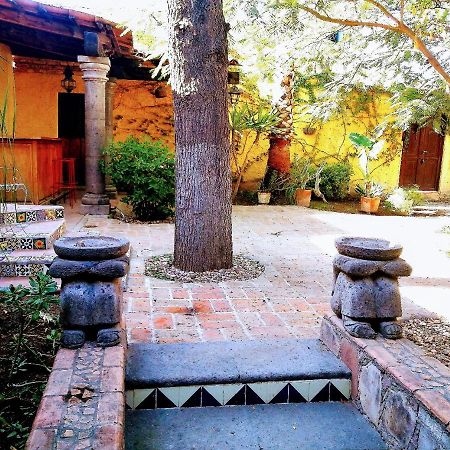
(83, 406)
(403, 392)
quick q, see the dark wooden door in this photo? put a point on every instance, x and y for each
(421, 158)
(71, 131)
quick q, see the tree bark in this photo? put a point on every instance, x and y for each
(198, 67)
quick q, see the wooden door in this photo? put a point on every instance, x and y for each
(421, 158)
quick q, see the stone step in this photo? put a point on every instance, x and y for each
(31, 235)
(233, 373)
(12, 213)
(25, 263)
(307, 426)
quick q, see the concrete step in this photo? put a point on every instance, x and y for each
(30, 235)
(233, 373)
(432, 209)
(25, 263)
(12, 213)
(307, 426)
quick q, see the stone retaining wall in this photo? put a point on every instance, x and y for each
(83, 405)
(403, 392)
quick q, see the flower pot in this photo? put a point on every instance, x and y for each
(303, 197)
(370, 204)
(263, 198)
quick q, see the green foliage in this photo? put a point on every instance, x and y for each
(32, 332)
(145, 170)
(273, 181)
(302, 172)
(335, 180)
(369, 189)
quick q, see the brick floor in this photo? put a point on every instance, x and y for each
(289, 298)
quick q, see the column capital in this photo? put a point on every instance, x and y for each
(94, 68)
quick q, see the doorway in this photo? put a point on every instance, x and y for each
(421, 158)
(71, 131)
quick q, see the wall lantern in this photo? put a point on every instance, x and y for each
(234, 93)
(68, 83)
(233, 72)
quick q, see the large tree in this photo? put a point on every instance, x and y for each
(198, 55)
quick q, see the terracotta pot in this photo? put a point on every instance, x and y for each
(370, 204)
(263, 198)
(303, 197)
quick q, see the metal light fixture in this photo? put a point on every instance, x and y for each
(234, 94)
(233, 80)
(68, 83)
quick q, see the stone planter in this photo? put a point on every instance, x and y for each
(90, 268)
(264, 198)
(366, 293)
(370, 204)
(303, 197)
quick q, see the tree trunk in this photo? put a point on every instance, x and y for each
(199, 62)
(279, 155)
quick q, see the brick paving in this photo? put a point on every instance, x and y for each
(287, 300)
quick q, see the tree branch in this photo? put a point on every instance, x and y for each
(400, 28)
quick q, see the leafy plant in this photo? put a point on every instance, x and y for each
(145, 170)
(367, 150)
(29, 304)
(370, 190)
(273, 182)
(404, 199)
(245, 119)
(335, 180)
(302, 172)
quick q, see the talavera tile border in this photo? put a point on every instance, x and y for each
(299, 391)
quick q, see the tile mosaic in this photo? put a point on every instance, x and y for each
(343, 386)
(162, 401)
(31, 216)
(21, 217)
(282, 396)
(141, 395)
(299, 391)
(172, 393)
(39, 244)
(194, 400)
(316, 387)
(186, 392)
(229, 391)
(251, 398)
(216, 391)
(208, 399)
(129, 399)
(267, 391)
(238, 398)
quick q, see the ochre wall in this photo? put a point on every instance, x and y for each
(444, 182)
(37, 88)
(140, 113)
(7, 93)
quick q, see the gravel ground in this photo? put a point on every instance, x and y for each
(243, 269)
(432, 335)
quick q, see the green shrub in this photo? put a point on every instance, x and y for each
(145, 170)
(335, 180)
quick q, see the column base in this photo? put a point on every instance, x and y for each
(111, 191)
(94, 199)
(95, 210)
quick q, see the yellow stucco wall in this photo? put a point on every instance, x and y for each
(37, 103)
(444, 182)
(137, 111)
(7, 91)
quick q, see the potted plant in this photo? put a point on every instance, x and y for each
(367, 150)
(272, 182)
(302, 172)
(370, 196)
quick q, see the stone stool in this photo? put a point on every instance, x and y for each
(91, 291)
(366, 292)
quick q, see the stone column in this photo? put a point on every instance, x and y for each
(94, 71)
(111, 190)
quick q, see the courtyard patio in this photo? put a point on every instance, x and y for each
(296, 246)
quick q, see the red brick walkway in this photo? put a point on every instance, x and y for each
(287, 300)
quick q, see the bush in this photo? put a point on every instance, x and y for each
(145, 170)
(335, 180)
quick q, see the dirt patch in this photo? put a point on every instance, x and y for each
(243, 269)
(432, 335)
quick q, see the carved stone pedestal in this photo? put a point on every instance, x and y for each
(91, 291)
(366, 293)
